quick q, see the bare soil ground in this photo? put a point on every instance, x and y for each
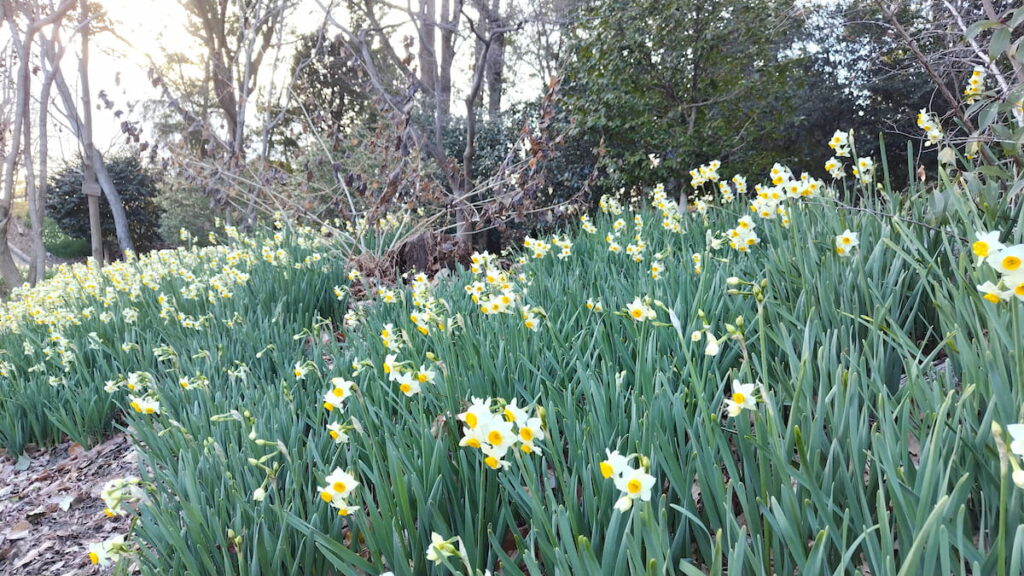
(50, 510)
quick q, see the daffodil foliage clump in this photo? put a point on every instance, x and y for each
(89, 344)
(768, 381)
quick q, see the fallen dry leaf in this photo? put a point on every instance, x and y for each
(19, 530)
(57, 489)
(66, 502)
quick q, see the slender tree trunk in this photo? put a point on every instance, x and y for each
(495, 62)
(90, 149)
(8, 269)
(89, 186)
(443, 102)
(31, 193)
(37, 201)
(462, 224)
(106, 183)
(428, 48)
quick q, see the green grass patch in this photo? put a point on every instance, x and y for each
(61, 245)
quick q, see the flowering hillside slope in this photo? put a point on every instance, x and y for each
(774, 381)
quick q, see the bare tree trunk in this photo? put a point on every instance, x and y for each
(91, 154)
(428, 48)
(110, 192)
(463, 226)
(89, 186)
(495, 61)
(8, 269)
(443, 102)
(37, 201)
(28, 165)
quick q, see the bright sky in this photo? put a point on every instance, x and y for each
(118, 68)
(148, 28)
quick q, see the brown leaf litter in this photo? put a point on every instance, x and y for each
(50, 509)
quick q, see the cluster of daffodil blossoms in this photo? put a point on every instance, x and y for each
(409, 378)
(337, 491)
(168, 279)
(494, 427)
(842, 145)
(975, 84)
(846, 242)
(634, 483)
(929, 122)
(121, 496)
(1006, 261)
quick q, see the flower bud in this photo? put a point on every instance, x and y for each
(732, 281)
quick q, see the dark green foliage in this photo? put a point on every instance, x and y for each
(60, 244)
(749, 83)
(688, 81)
(69, 207)
(185, 207)
(493, 140)
(330, 90)
(856, 74)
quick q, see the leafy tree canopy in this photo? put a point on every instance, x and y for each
(67, 205)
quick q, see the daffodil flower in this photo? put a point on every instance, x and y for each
(440, 548)
(992, 293)
(1008, 260)
(846, 242)
(614, 464)
(987, 243)
(742, 398)
(110, 550)
(635, 484)
(712, 348)
(408, 384)
(639, 311)
(840, 143)
(337, 432)
(340, 485)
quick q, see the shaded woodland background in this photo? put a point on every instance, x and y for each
(481, 119)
